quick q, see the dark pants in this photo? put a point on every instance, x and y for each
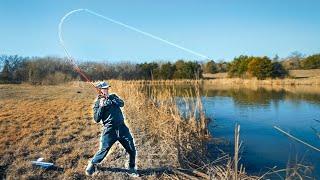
(109, 137)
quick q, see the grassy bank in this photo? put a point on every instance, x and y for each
(55, 122)
(295, 77)
(278, 82)
(314, 81)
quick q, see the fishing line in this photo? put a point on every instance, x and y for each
(126, 26)
(71, 60)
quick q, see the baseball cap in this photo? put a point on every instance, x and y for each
(103, 85)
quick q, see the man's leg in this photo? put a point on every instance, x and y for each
(126, 141)
(108, 138)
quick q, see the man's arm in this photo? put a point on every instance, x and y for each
(117, 101)
(97, 113)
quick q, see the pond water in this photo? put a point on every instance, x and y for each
(257, 110)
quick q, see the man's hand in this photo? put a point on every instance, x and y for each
(105, 102)
(102, 100)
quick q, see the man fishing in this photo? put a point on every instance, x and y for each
(107, 110)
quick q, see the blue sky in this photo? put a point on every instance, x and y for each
(218, 29)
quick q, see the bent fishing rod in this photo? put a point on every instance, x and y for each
(69, 57)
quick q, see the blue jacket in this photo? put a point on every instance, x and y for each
(110, 113)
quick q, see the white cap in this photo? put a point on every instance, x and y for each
(103, 85)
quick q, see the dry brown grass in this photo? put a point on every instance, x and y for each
(315, 81)
(215, 75)
(54, 122)
(300, 73)
(45, 121)
(304, 73)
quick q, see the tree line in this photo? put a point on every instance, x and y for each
(54, 70)
(263, 67)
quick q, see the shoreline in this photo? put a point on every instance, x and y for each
(315, 81)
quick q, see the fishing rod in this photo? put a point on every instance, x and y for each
(69, 57)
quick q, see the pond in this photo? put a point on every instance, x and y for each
(257, 110)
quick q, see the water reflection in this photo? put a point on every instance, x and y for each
(245, 96)
(249, 98)
(265, 95)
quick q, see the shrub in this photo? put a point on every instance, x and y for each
(260, 67)
(311, 62)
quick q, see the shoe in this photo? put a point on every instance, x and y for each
(133, 172)
(91, 168)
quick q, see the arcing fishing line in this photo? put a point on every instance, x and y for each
(126, 26)
(71, 60)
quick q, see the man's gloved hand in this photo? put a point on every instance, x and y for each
(101, 101)
(108, 102)
(114, 101)
(105, 102)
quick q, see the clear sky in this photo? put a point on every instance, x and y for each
(218, 29)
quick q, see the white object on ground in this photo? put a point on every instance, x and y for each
(39, 162)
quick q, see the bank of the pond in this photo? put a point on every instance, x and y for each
(314, 81)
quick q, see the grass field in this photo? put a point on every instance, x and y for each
(55, 122)
(296, 77)
(304, 73)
